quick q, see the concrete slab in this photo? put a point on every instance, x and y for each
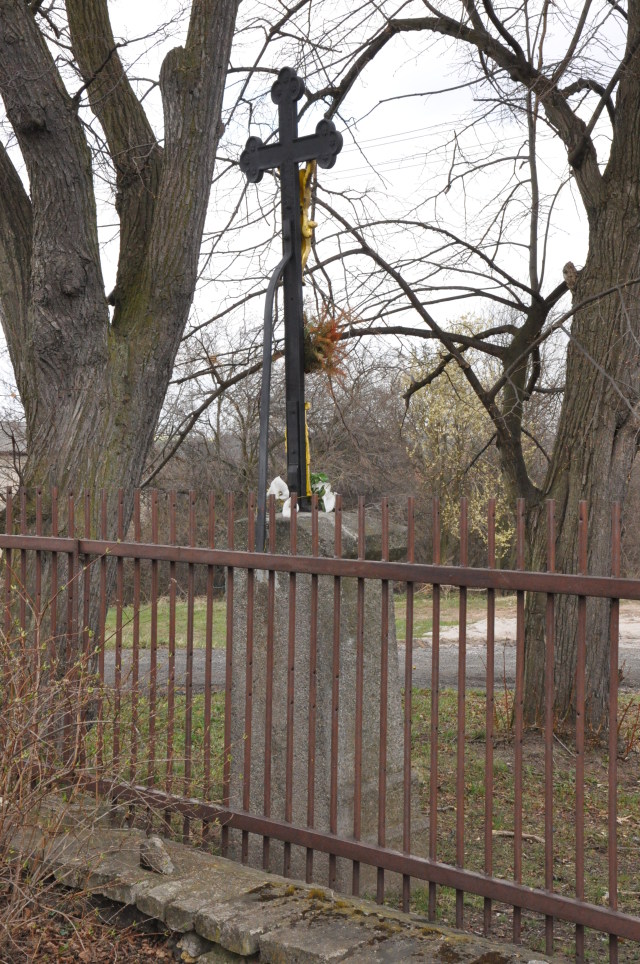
(220, 956)
(239, 925)
(431, 948)
(314, 942)
(208, 889)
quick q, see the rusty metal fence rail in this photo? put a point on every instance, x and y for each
(491, 852)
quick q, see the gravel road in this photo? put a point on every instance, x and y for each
(505, 659)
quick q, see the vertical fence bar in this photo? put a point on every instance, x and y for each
(8, 569)
(56, 638)
(188, 681)
(548, 721)
(268, 711)
(55, 643)
(171, 670)
(6, 673)
(38, 579)
(135, 653)
(614, 630)
(71, 529)
(119, 604)
(226, 772)
(313, 687)
(86, 580)
(8, 615)
(489, 713)
(206, 736)
(153, 653)
(40, 669)
(76, 638)
(24, 658)
(248, 684)
(357, 759)
(54, 580)
(518, 723)
(335, 693)
(38, 574)
(462, 672)
(434, 711)
(580, 721)
(86, 577)
(102, 624)
(291, 662)
(384, 700)
(23, 569)
(408, 700)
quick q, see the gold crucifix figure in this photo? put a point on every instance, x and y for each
(306, 224)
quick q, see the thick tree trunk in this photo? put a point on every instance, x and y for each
(598, 429)
(93, 385)
(594, 452)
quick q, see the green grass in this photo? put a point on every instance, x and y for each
(138, 771)
(164, 622)
(422, 618)
(596, 801)
(449, 609)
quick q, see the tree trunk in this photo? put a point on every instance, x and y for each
(593, 455)
(92, 385)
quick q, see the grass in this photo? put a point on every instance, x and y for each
(449, 609)
(596, 801)
(137, 771)
(422, 618)
(596, 792)
(164, 623)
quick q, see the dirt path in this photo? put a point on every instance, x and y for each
(505, 658)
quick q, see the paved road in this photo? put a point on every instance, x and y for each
(476, 659)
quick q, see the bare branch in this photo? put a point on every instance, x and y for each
(187, 424)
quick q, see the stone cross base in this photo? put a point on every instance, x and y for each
(347, 720)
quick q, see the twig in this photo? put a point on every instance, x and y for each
(525, 836)
(563, 745)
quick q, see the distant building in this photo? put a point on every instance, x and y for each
(13, 452)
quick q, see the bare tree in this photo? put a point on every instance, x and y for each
(92, 369)
(565, 81)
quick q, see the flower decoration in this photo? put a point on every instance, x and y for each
(321, 486)
(286, 509)
(279, 488)
(324, 349)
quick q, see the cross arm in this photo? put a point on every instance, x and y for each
(323, 146)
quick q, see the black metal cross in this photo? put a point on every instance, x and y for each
(287, 153)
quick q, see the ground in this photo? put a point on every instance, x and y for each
(71, 929)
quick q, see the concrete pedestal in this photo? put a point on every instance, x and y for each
(324, 683)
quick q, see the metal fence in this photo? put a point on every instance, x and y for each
(519, 833)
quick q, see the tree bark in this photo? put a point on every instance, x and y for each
(593, 456)
(598, 429)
